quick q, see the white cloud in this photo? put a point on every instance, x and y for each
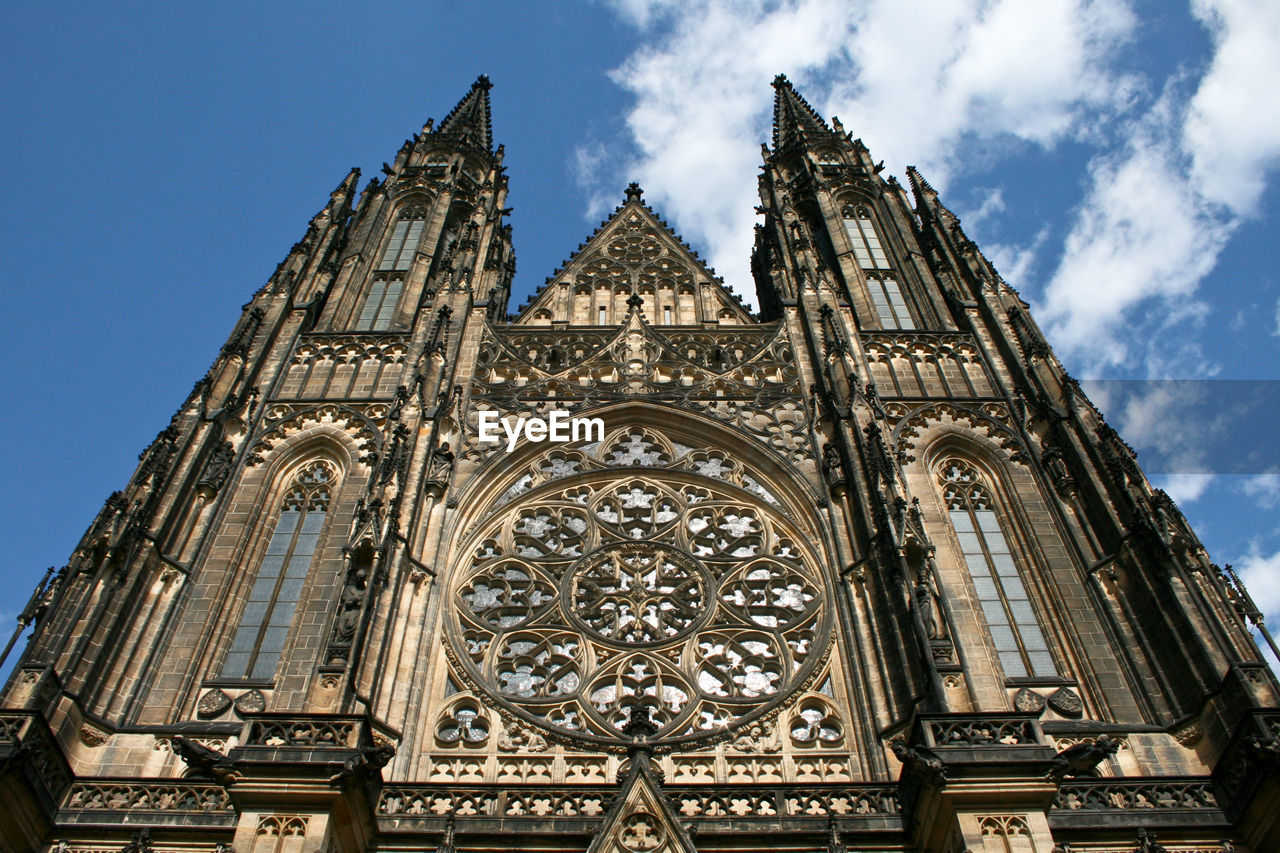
(1142, 233)
(915, 78)
(1160, 210)
(950, 83)
(1184, 488)
(1233, 123)
(1263, 488)
(1015, 263)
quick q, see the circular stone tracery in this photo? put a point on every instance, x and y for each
(637, 594)
(605, 592)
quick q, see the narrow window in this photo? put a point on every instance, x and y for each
(380, 304)
(604, 312)
(398, 254)
(666, 315)
(891, 308)
(1015, 630)
(264, 625)
(866, 243)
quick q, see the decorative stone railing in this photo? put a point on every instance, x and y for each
(159, 796)
(416, 803)
(1121, 794)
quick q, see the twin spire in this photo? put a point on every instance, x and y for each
(793, 118)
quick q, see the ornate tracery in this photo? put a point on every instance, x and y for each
(638, 573)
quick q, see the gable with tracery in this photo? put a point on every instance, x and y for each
(634, 255)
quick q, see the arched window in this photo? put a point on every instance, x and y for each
(398, 254)
(886, 294)
(886, 297)
(866, 242)
(380, 303)
(1016, 632)
(264, 624)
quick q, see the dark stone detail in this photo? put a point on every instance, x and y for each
(1028, 701)
(252, 702)
(1082, 759)
(365, 764)
(1065, 701)
(213, 704)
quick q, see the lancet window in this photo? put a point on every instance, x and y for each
(886, 297)
(866, 242)
(268, 613)
(1011, 619)
(398, 254)
(380, 303)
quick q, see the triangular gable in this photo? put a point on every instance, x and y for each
(634, 252)
(641, 818)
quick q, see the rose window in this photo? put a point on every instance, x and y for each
(637, 594)
(604, 593)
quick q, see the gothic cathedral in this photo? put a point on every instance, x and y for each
(862, 571)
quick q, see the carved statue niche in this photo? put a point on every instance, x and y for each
(1056, 466)
(833, 470)
(350, 606)
(439, 469)
(217, 468)
(924, 599)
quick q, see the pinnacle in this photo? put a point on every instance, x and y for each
(793, 118)
(634, 193)
(470, 118)
(918, 181)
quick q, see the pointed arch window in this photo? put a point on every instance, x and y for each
(887, 299)
(264, 624)
(866, 242)
(380, 303)
(1011, 619)
(398, 254)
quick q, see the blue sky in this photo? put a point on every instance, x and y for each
(1115, 158)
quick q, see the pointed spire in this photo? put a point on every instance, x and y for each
(793, 118)
(470, 118)
(347, 187)
(919, 186)
(927, 198)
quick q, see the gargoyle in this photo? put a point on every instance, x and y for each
(919, 759)
(365, 763)
(204, 761)
(1082, 758)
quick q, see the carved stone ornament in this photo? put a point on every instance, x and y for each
(1189, 733)
(252, 702)
(517, 738)
(213, 704)
(1028, 701)
(93, 736)
(596, 594)
(1065, 701)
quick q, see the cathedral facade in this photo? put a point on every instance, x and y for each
(864, 570)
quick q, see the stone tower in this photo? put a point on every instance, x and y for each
(865, 571)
